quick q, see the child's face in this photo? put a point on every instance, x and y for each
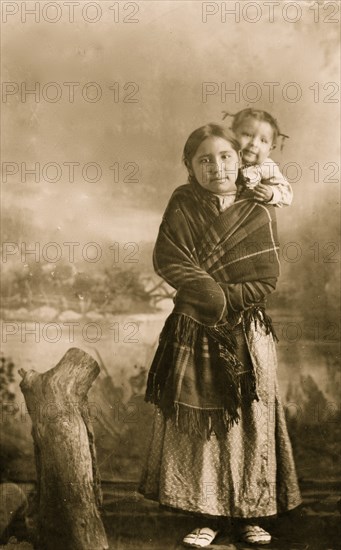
(215, 165)
(256, 139)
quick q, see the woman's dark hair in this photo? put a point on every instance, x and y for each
(200, 134)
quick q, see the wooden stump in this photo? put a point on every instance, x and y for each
(68, 483)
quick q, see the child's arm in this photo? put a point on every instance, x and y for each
(273, 178)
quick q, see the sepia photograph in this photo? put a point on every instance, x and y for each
(170, 275)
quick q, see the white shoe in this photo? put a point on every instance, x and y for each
(253, 534)
(200, 537)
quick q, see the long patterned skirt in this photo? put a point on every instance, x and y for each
(250, 473)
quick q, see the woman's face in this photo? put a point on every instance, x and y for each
(215, 166)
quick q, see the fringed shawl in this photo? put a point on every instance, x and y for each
(222, 266)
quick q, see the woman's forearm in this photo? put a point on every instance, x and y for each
(174, 261)
(242, 296)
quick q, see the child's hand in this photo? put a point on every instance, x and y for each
(262, 193)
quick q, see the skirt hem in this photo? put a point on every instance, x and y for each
(192, 510)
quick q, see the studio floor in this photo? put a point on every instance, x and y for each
(134, 523)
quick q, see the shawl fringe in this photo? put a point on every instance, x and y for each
(240, 384)
(259, 316)
(202, 423)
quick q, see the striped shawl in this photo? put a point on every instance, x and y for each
(222, 266)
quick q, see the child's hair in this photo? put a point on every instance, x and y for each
(263, 116)
(202, 133)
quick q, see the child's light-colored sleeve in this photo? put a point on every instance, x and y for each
(281, 188)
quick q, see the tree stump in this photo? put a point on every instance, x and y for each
(68, 483)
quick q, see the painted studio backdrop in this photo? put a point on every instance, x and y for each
(98, 100)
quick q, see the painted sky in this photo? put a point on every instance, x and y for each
(139, 129)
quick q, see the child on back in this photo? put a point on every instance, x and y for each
(257, 132)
